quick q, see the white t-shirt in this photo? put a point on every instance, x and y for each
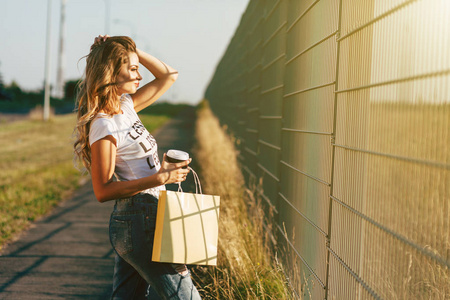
(137, 154)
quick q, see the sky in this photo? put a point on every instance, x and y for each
(189, 35)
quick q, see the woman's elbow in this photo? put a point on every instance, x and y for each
(100, 198)
(101, 195)
(173, 76)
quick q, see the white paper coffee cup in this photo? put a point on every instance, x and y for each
(176, 156)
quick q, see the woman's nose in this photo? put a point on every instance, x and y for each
(139, 77)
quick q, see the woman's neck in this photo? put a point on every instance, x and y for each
(113, 111)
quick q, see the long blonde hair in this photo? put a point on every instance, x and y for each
(98, 89)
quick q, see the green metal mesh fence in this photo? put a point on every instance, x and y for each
(342, 107)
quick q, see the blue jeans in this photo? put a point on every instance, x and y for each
(131, 231)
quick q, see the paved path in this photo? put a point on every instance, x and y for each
(67, 255)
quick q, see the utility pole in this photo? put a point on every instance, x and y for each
(47, 63)
(60, 80)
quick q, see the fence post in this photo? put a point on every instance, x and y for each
(332, 140)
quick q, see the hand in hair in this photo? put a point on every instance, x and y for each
(99, 40)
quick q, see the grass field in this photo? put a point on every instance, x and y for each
(38, 172)
(36, 159)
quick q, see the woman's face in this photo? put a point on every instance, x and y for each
(129, 77)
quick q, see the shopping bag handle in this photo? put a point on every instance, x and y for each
(198, 186)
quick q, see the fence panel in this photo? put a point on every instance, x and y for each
(270, 100)
(391, 166)
(343, 108)
(306, 147)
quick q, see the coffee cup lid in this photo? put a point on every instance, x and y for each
(178, 154)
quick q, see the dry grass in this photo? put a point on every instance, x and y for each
(247, 263)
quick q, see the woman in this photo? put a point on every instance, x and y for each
(111, 140)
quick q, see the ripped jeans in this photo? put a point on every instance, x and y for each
(131, 231)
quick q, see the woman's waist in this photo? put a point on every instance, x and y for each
(138, 202)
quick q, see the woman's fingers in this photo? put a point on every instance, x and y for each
(100, 38)
(178, 165)
(181, 174)
(177, 171)
(183, 164)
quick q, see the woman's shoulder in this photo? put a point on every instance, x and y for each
(102, 120)
(102, 126)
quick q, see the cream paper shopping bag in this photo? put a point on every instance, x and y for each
(186, 228)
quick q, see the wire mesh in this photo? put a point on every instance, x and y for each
(343, 108)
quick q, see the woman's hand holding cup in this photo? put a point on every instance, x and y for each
(174, 170)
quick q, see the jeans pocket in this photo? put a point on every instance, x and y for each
(120, 235)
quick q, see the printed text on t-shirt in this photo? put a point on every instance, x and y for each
(137, 130)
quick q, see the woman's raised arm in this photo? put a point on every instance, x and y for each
(164, 74)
